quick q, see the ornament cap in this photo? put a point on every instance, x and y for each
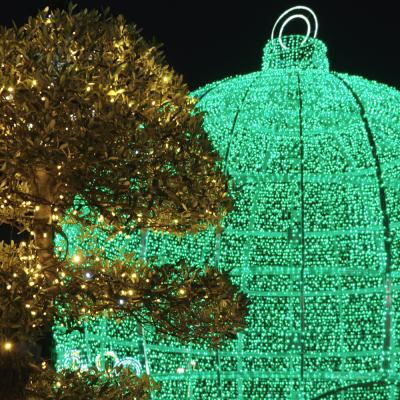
(295, 52)
(297, 12)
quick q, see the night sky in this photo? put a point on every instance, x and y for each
(206, 41)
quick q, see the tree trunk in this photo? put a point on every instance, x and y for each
(16, 372)
(43, 189)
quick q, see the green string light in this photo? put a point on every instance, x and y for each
(314, 241)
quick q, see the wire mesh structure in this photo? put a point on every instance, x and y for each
(313, 240)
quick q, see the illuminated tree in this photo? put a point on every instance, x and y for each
(92, 118)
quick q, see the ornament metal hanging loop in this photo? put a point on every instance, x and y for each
(292, 17)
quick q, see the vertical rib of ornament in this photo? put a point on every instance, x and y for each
(217, 354)
(143, 248)
(302, 241)
(206, 93)
(235, 118)
(88, 348)
(143, 243)
(218, 249)
(385, 220)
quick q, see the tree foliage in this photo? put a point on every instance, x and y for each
(88, 107)
(89, 110)
(199, 305)
(121, 384)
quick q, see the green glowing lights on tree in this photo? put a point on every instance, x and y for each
(313, 240)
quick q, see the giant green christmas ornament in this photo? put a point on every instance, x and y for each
(313, 240)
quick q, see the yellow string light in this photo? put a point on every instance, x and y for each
(8, 346)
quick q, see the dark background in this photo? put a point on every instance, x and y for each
(206, 41)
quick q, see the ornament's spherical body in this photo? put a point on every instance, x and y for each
(313, 240)
(314, 237)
